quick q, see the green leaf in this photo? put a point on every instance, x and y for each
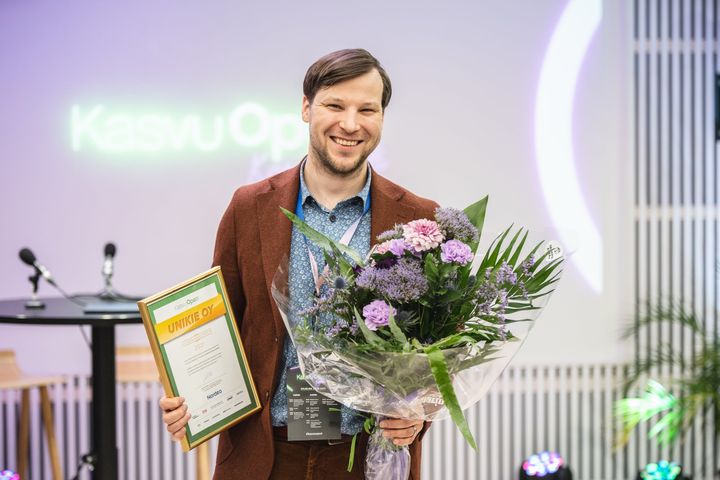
(509, 249)
(491, 257)
(514, 259)
(431, 269)
(321, 240)
(476, 215)
(395, 330)
(444, 383)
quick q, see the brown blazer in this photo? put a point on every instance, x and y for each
(251, 241)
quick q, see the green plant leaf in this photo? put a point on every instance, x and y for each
(321, 240)
(476, 215)
(395, 330)
(444, 383)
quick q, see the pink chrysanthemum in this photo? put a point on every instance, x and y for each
(422, 234)
(381, 248)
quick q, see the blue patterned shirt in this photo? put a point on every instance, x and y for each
(333, 223)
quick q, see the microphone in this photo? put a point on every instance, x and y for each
(27, 256)
(107, 269)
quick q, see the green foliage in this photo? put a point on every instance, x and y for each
(698, 383)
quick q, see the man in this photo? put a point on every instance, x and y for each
(345, 95)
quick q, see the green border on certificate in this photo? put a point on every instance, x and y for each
(199, 354)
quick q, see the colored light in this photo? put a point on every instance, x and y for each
(554, 141)
(662, 470)
(9, 475)
(542, 464)
(248, 125)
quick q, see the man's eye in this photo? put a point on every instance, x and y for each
(334, 106)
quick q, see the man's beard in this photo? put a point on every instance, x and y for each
(327, 164)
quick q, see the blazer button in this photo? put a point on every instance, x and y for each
(267, 394)
(276, 339)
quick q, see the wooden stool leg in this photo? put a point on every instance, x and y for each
(202, 461)
(50, 433)
(24, 434)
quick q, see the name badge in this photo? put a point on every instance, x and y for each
(311, 416)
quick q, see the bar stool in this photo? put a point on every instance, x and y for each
(11, 377)
(136, 364)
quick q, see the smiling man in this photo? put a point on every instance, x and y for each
(345, 94)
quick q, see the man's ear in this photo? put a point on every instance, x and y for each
(305, 109)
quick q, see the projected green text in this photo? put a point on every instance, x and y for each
(248, 125)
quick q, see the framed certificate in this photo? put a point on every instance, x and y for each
(199, 354)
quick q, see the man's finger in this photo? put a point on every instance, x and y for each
(175, 427)
(174, 415)
(400, 433)
(179, 434)
(403, 442)
(171, 403)
(400, 423)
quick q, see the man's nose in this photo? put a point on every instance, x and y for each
(349, 121)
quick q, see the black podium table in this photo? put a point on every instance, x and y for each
(60, 311)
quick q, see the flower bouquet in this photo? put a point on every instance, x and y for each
(422, 327)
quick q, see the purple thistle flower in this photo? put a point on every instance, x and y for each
(404, 281)
(455, 224)
(377, 314)
(455, 251)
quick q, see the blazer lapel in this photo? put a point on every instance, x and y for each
(387, 206)
(275, 228)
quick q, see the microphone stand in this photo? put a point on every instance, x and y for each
(108, 292)
(34, 302)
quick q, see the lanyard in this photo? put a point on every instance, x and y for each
(345, 239)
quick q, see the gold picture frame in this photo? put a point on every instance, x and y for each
(199, 354)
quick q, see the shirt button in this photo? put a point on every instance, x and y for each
(333, 218)
(276, 339)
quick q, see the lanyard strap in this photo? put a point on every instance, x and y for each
(345, 239)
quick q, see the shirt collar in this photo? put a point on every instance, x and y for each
(362, 194)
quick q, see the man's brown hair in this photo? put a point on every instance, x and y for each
(344, 65)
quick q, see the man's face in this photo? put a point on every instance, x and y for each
(346, 122)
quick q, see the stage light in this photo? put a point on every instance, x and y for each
(546, 465)
(662, 470)
(9, 475)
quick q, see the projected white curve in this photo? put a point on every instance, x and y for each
(554, 140)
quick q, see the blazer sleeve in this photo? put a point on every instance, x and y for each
(226, 256)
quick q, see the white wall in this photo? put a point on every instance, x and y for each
(460, 125)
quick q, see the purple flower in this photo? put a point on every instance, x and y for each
(335, 329)
(455, 251)
(403, 281)
(455, 224)
(377, 314)
(398, 246)
(505, 274)
(527, 265)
